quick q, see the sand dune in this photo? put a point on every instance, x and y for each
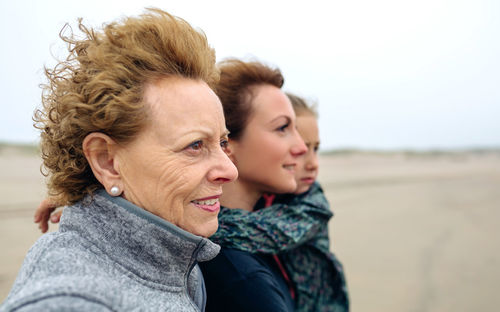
(415, 232)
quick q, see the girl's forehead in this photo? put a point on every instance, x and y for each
(307, 126)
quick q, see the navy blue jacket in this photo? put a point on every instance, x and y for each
(240, 281)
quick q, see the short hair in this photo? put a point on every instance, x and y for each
(99, 88)
(300, 106)
(237, 78)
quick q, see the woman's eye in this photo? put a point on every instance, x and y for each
(197, 145)
(223, 144)
(283, 128)
(316, 148)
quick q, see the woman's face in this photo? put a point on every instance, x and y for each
(307, 164)
(266, 153)
(176, 166)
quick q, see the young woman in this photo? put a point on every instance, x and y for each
(265, 147)
(295, 227)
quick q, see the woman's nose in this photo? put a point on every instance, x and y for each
(299, 147)
(224, 171)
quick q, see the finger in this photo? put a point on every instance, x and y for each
(40, 215)
(56, 217)
(44, 220)
(42, 208)
(43, 227)
(39, 212)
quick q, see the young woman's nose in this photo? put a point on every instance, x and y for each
(299, 147)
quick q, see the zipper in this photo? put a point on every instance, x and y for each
(190, 269)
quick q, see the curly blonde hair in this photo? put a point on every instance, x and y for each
(99, 88)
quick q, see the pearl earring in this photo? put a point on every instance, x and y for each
(115, 191)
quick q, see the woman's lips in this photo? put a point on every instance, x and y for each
(308, 180)
(210, 204)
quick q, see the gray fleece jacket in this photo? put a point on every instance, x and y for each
(110, 255)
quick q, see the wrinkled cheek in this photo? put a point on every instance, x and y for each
(172, 190)
(135, 179)
(172, 179)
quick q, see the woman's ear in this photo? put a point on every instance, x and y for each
(100, 151)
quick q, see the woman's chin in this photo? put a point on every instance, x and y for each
(206, 230)
(284, 188)
(302, 188)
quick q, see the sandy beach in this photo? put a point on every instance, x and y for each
(415, 232)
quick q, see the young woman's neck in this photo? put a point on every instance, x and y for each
(238, 195)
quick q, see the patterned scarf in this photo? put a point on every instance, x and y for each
(296, 228)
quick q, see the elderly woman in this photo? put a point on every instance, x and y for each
(132, 141)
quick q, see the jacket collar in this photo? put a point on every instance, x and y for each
(144, 244)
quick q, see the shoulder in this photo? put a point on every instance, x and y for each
(53, 271)
(68, 250)
(57, 303)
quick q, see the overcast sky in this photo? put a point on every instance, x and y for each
(386, 74)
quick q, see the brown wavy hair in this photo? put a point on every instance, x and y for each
(237, 78)
(99, 88)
